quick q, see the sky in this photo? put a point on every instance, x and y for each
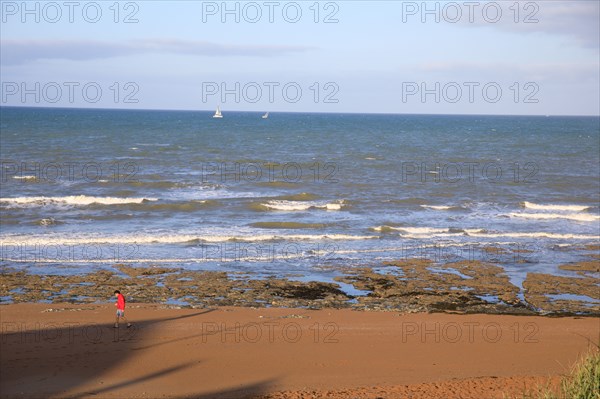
(434, 57)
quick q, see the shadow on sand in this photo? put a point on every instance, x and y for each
(56, 360)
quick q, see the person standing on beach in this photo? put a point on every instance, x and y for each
(120, 304)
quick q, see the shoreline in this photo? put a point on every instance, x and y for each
(235, 352)
(406, 286)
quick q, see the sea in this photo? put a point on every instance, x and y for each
(306, 196)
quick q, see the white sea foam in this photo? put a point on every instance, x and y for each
(288, 205)
(412, 230)
(437, 207)
(291, 206)
(437, 235)
(26, 177)
(580, 217)
(536, 235)
(210, 257)
(550, 207)
(420, 232)
(73, 200)
(423, 230)
(219, 258)
(430, 232)
(144, 239)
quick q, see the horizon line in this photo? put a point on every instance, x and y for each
(288, 112)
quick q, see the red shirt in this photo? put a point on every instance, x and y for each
(120, 302)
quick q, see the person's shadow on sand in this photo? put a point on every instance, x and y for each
(54, 361)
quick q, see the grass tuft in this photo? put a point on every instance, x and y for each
(582, 382)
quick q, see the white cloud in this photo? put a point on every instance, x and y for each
(15, 52)
(578, 20)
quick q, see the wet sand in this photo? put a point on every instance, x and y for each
(65, 350)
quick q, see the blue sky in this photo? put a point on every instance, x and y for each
(480, 57)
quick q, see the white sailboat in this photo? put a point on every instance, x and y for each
(218, 113)
(265, 116)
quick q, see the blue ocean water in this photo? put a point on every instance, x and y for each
(298, 195)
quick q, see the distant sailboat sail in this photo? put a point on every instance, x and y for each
(218, 113)
(265, 116)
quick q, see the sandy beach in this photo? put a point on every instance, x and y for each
(69, 351)
(300, 199)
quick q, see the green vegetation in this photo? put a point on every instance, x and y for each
(583, 382)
